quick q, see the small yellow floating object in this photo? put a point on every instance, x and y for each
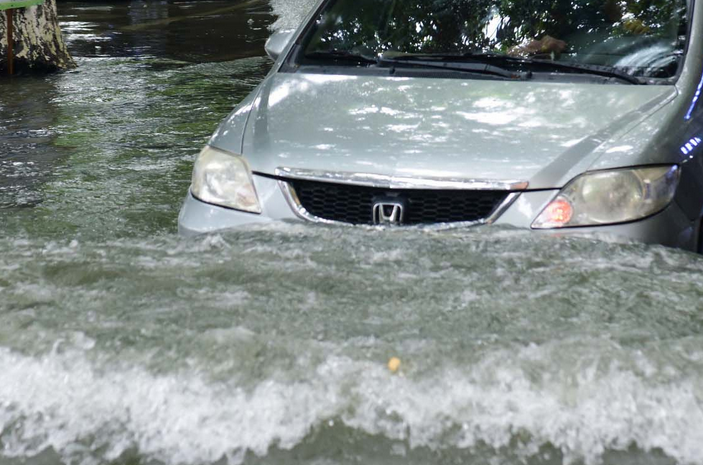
(394, 364)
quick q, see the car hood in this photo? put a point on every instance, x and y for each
(540, 132)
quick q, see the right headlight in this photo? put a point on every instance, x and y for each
(611, 197)
(223, 178)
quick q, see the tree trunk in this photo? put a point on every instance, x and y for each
(38, 45)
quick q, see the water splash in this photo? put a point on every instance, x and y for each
(270, 343)
(92, 415)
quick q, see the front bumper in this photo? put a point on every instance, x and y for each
(198, 217)
(670, 228)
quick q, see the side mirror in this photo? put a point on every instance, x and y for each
(277, 42)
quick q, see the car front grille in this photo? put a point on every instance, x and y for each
(355, 204)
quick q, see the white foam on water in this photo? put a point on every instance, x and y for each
(89, 415)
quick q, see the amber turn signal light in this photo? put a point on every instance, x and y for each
(558, 213)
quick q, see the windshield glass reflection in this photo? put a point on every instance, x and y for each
(641, 37)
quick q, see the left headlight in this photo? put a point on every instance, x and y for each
(224, 179)
(611, 197)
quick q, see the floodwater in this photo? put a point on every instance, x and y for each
(121, 343)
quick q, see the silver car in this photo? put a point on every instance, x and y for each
(554, 116)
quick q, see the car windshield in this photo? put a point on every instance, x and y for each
(638, 37)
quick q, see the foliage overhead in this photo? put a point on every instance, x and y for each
(452, 26)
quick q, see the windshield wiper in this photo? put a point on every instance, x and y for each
(447, 62)
(598, 70)
(489, 58)
(474, 62)
(411, 60)
(342, 55)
